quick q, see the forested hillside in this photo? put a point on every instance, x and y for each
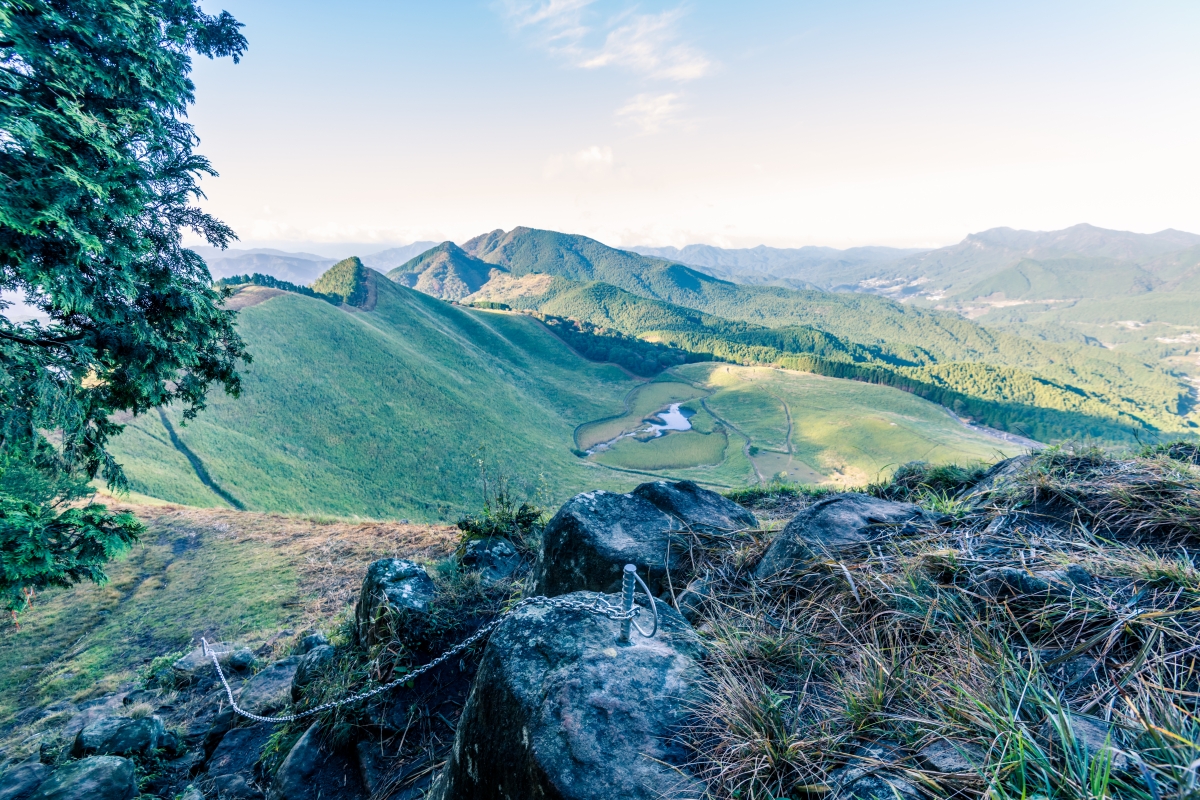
(990, 374)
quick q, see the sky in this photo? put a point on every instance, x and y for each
(736, 124)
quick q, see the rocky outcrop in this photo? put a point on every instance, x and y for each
(587, 544)
(832, 524)
(95, 778)
(21, 781)
(119, 736)
(560, 708)
(392, 587)
(696, 508)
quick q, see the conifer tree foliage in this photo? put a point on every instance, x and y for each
(98, 178)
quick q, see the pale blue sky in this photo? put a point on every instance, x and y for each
(730, 123)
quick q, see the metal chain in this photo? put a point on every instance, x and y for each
(596, 606)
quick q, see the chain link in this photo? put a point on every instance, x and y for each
(596, 606)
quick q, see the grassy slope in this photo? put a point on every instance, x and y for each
(226, 575)
(380, 413)
(841, 433)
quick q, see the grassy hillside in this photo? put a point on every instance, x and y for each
(445, 271)
(346, 279)
(381, 413)
(389, 412)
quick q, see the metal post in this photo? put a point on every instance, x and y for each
(627, 587)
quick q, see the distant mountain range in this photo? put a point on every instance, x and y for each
(1003, 264)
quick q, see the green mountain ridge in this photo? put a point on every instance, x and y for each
(445, 272)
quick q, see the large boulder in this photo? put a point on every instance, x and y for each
(696, 508)
(830, 525)
(311, 666)
(560, 708)
(270, 690)
(95, 778)
(119, 736)
(312, 771)
(392, 586)
(19, 782)
(587, 544)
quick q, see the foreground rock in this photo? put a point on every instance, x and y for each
(19, 782)
(833, 524)
(560, 709)
(95, 778)
(696, 508)
(311, 771)
(594, 535)
(393, 586)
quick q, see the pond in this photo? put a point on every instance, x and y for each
(671, 418)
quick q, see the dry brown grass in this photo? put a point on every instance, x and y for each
(332, 555)
(1074, 594)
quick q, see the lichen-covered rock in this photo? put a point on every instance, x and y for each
(832, 524)
(587, 544)
(561, 709)
(696, 508)
(495, 558)
(95, 778)
(119, 736)
(19, 782)
(392, 586)
(197, 666)
(270, 690)
(311, 667)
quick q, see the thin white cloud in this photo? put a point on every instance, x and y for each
(592, 162)
(648, 45)
(651, 112)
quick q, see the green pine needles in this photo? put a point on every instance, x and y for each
(99, 182)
